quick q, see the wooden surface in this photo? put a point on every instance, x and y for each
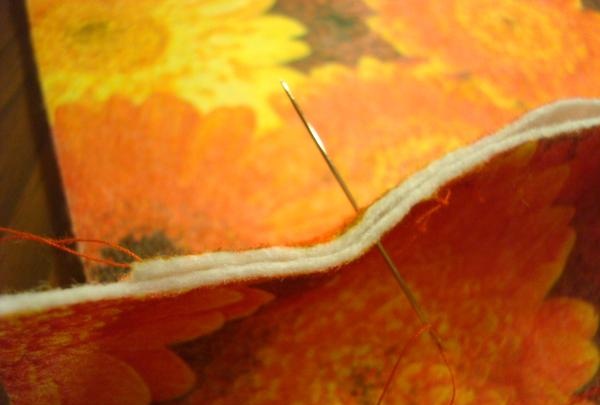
(31, 198)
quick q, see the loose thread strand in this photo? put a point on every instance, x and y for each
(442, 201)
(423, 329)
(450, 372)
(422, 221)
(62, 244)
(390, 379)
(115, 246)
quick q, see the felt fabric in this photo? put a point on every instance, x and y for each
(175, 140)
(494, 239)
(174, 136)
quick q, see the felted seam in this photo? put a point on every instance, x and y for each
(371, 227)
(183, 273)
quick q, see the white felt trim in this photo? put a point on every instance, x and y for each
(186, 272)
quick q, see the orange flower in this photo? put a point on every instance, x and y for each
(381, 123)
(483, 266)
(483, 258)
(210, 184)
(587, 224)
(113, 351)
(160, 165)
(533, 52)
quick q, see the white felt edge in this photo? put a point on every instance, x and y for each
(183, 273)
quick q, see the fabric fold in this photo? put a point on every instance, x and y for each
(489, 238)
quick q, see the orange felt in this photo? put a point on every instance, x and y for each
(168, 120)
(388, 89)
(534, 51)
(98, 379)
(166, 375)
(29, 386)
(490, 257)
(559, 348)
(483, 264)
(74, 354)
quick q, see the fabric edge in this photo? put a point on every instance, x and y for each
(183, 273)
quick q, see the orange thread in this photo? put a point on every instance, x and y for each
(441, 202)
(450, 371)
(411, 341)
(62, 244)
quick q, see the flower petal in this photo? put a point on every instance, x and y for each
(98, 378)
(166, 375)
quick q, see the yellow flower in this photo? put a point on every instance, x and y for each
(212, 53)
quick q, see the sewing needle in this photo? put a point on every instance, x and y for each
(321, 146)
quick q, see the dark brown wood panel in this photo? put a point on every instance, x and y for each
(31, 197)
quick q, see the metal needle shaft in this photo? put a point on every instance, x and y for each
(321, 146)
